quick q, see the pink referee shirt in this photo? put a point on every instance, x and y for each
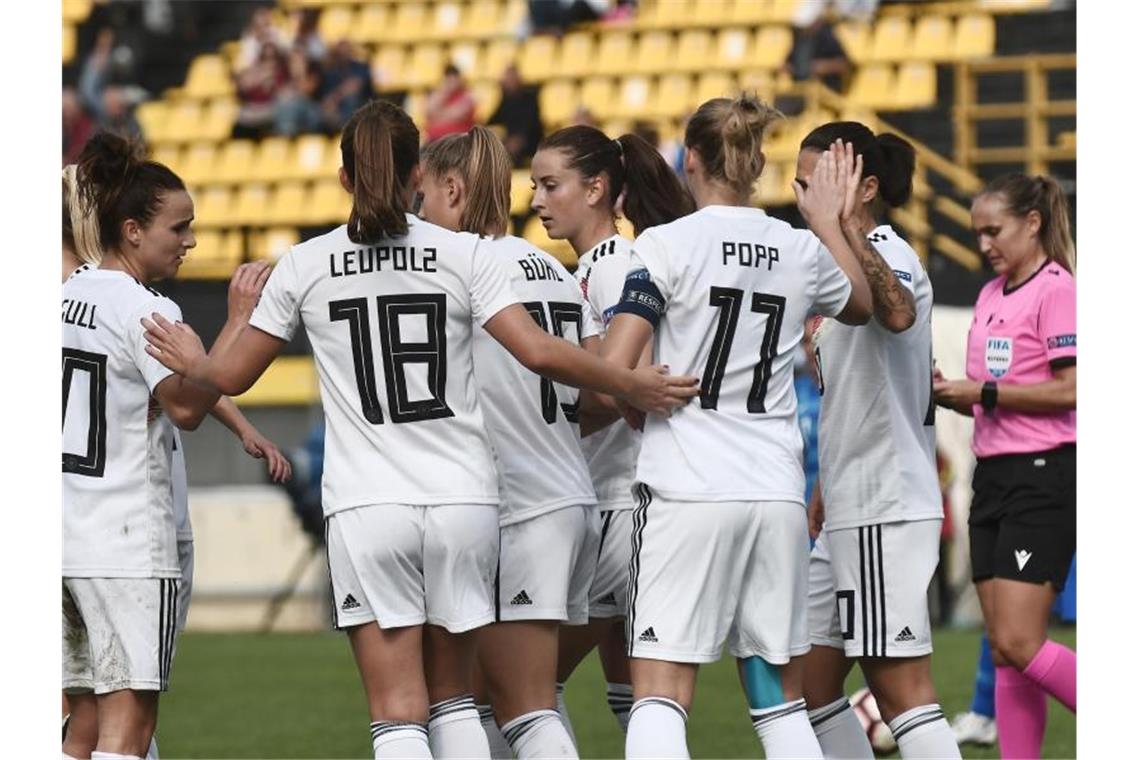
(1018, 336)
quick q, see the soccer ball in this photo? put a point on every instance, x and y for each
(866, 709)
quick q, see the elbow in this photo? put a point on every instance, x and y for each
(231, 387)
(536, 356)
(186, 419)
(898, 322)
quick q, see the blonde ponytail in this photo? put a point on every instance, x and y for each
(80, 221)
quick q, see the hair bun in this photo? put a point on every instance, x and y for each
(897, 184)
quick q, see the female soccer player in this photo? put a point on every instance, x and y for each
(548, 519)
(582, 179)
(720, 545)
(120, 562)
(412, 526)
(1021, 389)
(873, 561)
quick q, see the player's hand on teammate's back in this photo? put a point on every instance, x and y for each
(245, 289)
(174, 344)
(657, 391)
(260, 447)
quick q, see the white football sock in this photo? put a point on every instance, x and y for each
(539, 734)
(152, 751)
(922, 732)
(402, 739)
(620, 697)
(656, 730)
(97, 755)
(839, 731)
(500, 750)
(454, 729)
(784, 731)
(68, 757)
(563, 713)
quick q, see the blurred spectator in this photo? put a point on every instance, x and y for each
(817, 54)
(556, 16)
(518, 114)
(118, 113)
(258, 33)
(306, 37)
(346, 84)
(77, 126)
(107, 64)
(296, 109)
(450, 106)
(258, 86)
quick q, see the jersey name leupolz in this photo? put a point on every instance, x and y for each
(391, 258)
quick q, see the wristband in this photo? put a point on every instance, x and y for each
(989, 396)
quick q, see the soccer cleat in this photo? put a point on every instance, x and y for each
(974, 728)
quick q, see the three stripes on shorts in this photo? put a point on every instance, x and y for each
(167, 627)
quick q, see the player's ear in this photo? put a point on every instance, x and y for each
(455, 189)
(1033, 222)
(596, 189)
(870, 189)
(132, 232)
(342, 175)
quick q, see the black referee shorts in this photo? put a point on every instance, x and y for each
(1023, 520)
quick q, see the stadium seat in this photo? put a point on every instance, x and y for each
(559, 249)
(152, 117)
(389, 68)
(891, 39)
(616, 127)
(933, 39)
(713, 85)
(235, 162)
(774, 187)
(674, 96)
(597, 96)
(539, 59)
(286, 204)
(415, 104)
(694, 51)
(252, 204)
(635, 96)
(185, 122)
(556, 101)
(873, 86)
(750, 12)
(576, 58)
(214, 257)
(783, 11)
(218, 119)
(428, 62)
(514, 15)
(916, 86)
(855, 37)
(466, 55)
(68, 43)
(447, 21)
(484, 18)
(371, 24)
(76, 11)
(198, 163)
(209, 77)
(654, 50)
(336, 23)
(309, 158)
(732, 49)
(759, 81)
(213, 206)
(614, 53)
(667, 14)
(272, 161)
(410, 23)
(487, 96)
(974, 37)
(521, 192)
(172, 157)
(709, 13)
(330, 204)
(497, 55)
(773, 43)
(272, 244)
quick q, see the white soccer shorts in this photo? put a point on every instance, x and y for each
(546, 565)
(400, 565)
(867, 588)
(118, 633)
(609, 593)
(704, 574)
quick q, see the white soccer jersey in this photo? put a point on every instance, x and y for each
(611, 453)
(732, 287)
(181, 493)
(876, 426)
(391, 329)
(118, 511)
(533, 421)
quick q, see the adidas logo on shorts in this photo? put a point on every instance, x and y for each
(521, 598)
(609, 598)
(350, 603)
(648, 636)
(905, 635)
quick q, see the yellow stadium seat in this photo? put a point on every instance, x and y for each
(933, 39)
(483, 18)
(172, 157)
(68, 43)
(732, 48)
(487, 96)
(708, 13)
(76, 11)
(974, 37)
(371, 24)
(576, 58)
(917, 85)
(198, 163)
(213, 207)
(1067, 139)
(428, 62)
(873, 86)
(597, 96)
(614, 53)
(389, 68)
(466, 56)
(209, 77)
(410, 23)
(694, 51)
(556, 101)
(714, 85)
(447, 21)
(235, 161)
(774, 188)
(330, 204)
(674, 95)
(616, 127)
(535, 233)
(252, 204)
(289, 381)
(773, 43)
(750, 12)
(669, 13)
(635, 98)
(272, 160)
(654, 50)
(513, 16)
(855, 37)
(521, 192)
(185, 123)
(891, 39)
(218, 120)
(286, 205)
(214, 257)
(539, 58)
(497, 55)
(152, 117)
(316, 157)
(336, 23)
(274, 243)
(759, 81)
(783, 11)
(415, 105)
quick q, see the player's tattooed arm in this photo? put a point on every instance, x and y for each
(894, 303)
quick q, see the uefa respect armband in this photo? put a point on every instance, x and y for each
(641, 297)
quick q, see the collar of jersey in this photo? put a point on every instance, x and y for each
(720, 210)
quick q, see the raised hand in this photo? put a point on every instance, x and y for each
(245, 289)
(852, 169)
(174, 344)
(823, 200)
(657, 391)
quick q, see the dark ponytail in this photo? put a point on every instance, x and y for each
(379, 148)
(887, 157)
(117, 181)
(653, 194)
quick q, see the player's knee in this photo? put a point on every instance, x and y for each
(401, 704)
(1016, 648)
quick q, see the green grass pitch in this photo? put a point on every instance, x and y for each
(298, 696)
